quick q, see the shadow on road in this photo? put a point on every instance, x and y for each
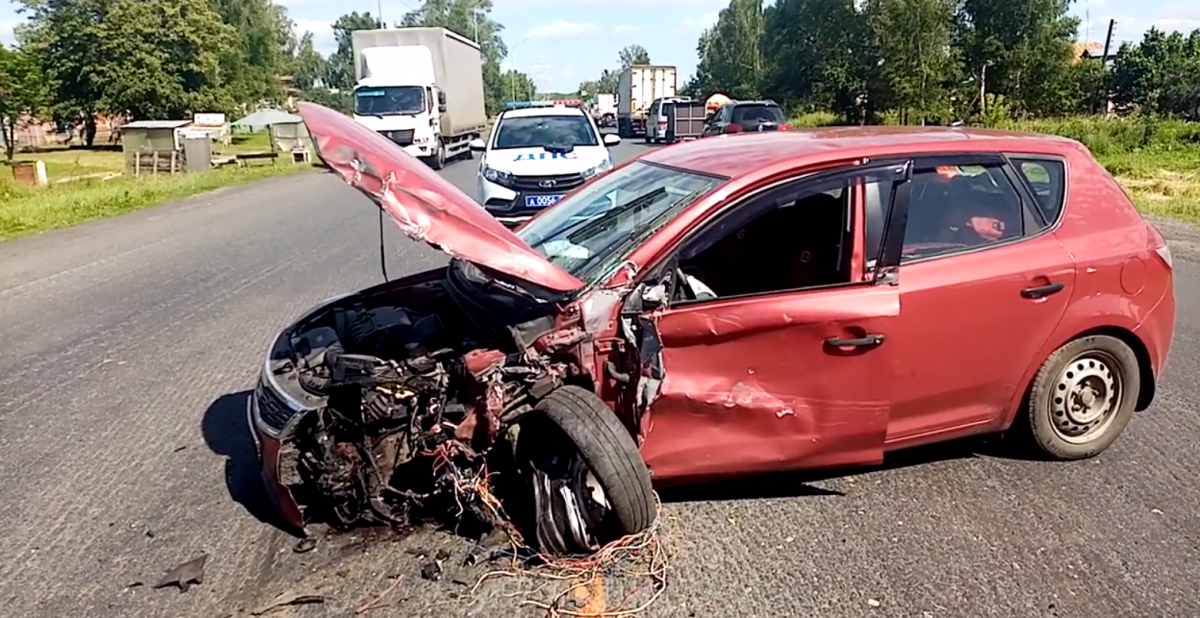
(226, 433)
(799, 484)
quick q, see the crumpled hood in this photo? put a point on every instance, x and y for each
(539, 162)
(423, 204)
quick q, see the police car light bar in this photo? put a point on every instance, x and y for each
(557, 103)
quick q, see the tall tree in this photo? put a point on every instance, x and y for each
(631, 55)
(817, 54)
(341, 62)
(731, 51)
(913, 40)
(309, 68)
(22, 94)
(1019, 48)
(252, 64)
(67, 36)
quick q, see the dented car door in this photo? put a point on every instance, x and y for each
(776, 381)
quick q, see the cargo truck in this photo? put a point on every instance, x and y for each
(421, 88)
(637, 87)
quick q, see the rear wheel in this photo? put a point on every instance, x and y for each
(1082, 398)
(590, 484)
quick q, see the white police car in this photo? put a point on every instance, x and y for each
(537, 153)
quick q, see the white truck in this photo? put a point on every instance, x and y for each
(637, 87)
(606, 109)
(422, 88)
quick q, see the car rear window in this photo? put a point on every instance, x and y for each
(1047, 179)
(755, 114)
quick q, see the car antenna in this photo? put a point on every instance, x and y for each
(382, 251)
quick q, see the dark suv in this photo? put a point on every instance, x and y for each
(742, 116)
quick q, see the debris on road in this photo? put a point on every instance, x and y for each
(288, 599)
(376, 603)
(305, 545)
(184, 575)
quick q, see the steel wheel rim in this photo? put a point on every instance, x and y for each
(566, 522)
(1086, 396)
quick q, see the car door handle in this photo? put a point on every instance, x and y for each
(1043, 291)
(868, 340)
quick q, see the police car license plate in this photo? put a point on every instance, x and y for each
(541, 201)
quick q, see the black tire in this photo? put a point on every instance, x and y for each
(608, 450)
(438, 160)
(1044, 419)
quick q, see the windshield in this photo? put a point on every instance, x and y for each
(591, 232)
(389, 100)
(754, 114)
(543, 131)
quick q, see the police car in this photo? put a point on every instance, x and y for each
(537, 153)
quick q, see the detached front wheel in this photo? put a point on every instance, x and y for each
(1082, 398)
(590, 484)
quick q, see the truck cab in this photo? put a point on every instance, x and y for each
(421, 88)
(397, 98)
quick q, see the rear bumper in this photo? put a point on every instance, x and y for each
(1157, 331)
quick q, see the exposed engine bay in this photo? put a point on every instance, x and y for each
(403, 426)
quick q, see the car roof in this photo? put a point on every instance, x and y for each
(734, 156)
(533, 112)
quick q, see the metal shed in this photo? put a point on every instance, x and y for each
(153, 145)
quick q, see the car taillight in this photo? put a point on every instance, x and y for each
(784, 127)
(662, 122)
(1160, 245)
(733, 128)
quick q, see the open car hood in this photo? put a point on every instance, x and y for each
(423, 204)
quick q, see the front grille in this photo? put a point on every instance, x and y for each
(562, 183)
(402, 137)
(272, 411)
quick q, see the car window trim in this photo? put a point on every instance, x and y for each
(1029, 211)
(1066, 176)
(847, 169)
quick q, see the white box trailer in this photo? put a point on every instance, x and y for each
(637, 87)
(422, 88)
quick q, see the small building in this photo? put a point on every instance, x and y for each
(151, 146)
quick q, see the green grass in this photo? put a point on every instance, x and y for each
(28, 210)
(1157, 161)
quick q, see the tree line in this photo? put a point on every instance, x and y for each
(938, 61)
(166, 59)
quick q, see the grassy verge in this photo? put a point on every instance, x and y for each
(1157, 161)
(78, 191)
(26, 210)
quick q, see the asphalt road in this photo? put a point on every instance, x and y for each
(129, 345)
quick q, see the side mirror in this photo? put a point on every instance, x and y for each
(441, 108)
(612, 140)
(653, 296)
(477, 145)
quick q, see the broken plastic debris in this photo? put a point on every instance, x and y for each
(186, 574)
(305, 545)
(287, 599)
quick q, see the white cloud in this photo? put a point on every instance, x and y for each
(322, 30)
(625, 30)
(697, 25)
(7, 24)
(561, 29)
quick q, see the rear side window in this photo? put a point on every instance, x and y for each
(756, 114)
(1047, 179)
(955, 208)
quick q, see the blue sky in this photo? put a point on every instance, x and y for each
(562, 42)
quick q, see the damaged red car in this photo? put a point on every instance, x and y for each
(718, 308)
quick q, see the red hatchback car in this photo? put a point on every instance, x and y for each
(722, 307)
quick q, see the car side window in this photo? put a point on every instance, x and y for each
(1047, 178)
(790, 238)
(959, 208)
